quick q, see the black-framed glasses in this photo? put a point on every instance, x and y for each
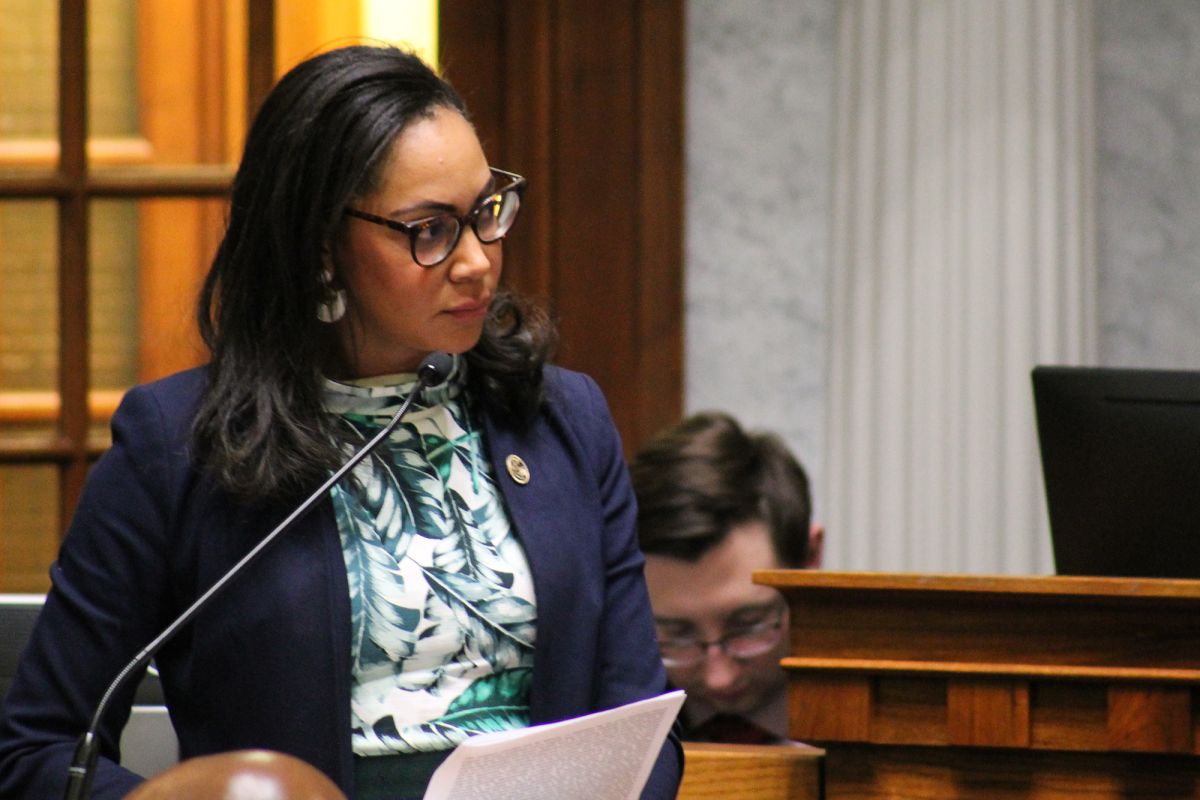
(433, 239)
(741, 643)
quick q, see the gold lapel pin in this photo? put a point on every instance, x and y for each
(517, 469)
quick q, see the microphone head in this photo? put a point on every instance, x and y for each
(435, 368)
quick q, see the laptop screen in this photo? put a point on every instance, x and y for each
(1121, 464)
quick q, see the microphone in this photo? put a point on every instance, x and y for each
(433, 370)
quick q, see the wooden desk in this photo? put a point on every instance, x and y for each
(925, 686)
(750, 772)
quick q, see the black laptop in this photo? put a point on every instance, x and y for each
(1121, 463)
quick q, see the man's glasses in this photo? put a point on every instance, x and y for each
(742, 643)
(433, 239)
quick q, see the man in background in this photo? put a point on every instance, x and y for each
(716, 503)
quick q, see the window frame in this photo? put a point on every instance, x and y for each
(73, 184)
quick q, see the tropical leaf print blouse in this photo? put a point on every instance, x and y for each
(442, 605)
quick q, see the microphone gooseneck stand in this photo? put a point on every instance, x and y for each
(433, 370)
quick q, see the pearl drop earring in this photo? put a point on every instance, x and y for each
(333, 307)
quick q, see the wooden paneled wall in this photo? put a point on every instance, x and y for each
(586, 100)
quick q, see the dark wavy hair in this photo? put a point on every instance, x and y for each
(321, 139)
(700, 478)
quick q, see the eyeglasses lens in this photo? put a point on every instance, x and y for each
(752, 644)
(492, 220)
(741, 645)
(496, 215)
(435, 240)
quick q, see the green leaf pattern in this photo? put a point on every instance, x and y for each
(443, 614)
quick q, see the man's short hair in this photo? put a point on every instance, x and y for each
(700, 478)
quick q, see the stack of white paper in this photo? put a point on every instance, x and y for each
(603, 756)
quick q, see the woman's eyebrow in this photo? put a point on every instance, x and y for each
(425, 206)
(446, 208)
(488, 188)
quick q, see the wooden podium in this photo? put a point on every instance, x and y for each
(926, 686)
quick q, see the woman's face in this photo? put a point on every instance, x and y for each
(397, 310)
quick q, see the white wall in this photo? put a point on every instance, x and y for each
(759, 101)
(1148, 115)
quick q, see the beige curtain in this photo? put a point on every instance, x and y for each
(963, 256)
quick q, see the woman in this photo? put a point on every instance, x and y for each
(478, 572)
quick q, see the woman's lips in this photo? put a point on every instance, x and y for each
(469, 310)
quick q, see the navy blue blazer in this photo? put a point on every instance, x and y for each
(267, 665)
